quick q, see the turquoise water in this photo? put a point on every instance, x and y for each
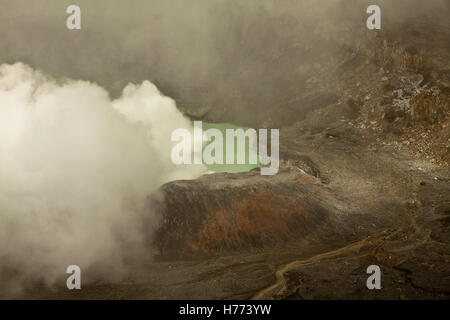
(231, 168)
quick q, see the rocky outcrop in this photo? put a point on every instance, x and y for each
(247, 212)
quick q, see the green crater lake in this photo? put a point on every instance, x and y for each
(230, 168)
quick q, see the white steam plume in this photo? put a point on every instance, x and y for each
(75, 171)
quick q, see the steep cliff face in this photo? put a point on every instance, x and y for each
(222, 213)
(218, 214)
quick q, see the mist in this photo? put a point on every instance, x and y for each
(223, 55)
(76, 169)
